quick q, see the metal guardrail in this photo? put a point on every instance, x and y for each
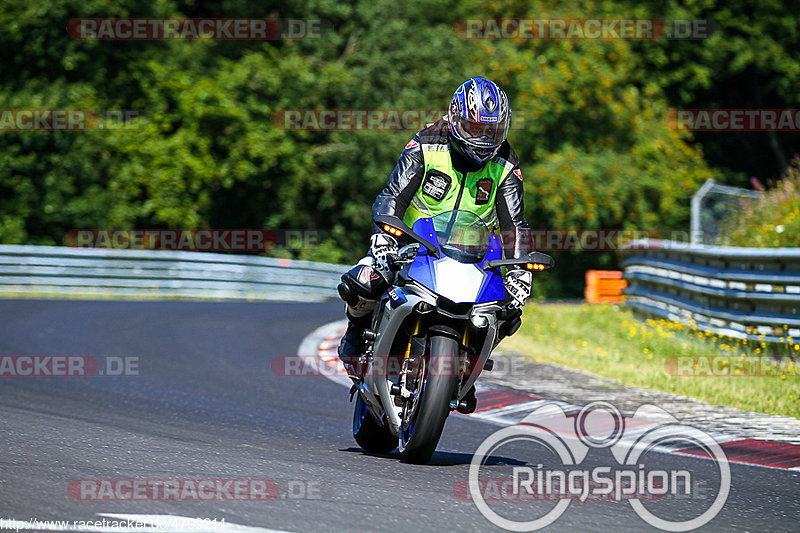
(751, 293)
(155, 273)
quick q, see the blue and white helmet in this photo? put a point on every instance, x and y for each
(479, 117)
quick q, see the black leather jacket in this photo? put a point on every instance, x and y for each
(406, 179)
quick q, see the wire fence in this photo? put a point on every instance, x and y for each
(713, 205)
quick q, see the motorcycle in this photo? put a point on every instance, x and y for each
(441, 316)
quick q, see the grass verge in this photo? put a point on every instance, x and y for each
(609, 341)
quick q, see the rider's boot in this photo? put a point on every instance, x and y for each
(472, 401)
(352, 345)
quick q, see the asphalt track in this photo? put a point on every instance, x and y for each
(206, 405)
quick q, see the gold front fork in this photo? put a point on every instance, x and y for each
(414, 334)
(404, 371)
(465, 360)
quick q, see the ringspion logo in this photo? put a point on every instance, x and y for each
(564, 442)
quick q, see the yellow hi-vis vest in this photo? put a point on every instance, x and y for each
(445, 189)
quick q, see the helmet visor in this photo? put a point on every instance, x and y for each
(484, 134)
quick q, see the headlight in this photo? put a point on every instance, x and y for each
(424, 307)
(479, 321)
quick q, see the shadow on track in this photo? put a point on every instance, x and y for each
(444, 458)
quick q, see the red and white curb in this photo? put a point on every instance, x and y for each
(503, 406)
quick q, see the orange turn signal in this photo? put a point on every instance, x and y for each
(392, 230)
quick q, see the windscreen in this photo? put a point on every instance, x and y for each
(462, 236)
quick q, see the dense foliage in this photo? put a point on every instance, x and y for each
(595, 149)
(771, 221)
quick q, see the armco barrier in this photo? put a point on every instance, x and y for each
(749, 293)
(60, 270)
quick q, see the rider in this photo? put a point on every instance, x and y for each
(462, 161)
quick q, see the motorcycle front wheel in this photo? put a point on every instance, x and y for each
(425, 413)
(369, 434)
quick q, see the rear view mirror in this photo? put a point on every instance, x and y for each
(534, 261)
(396, 227)
(539, 261)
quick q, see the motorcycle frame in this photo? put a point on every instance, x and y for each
(387, 321)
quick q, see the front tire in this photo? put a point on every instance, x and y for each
(421, 430)
(370, 435)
